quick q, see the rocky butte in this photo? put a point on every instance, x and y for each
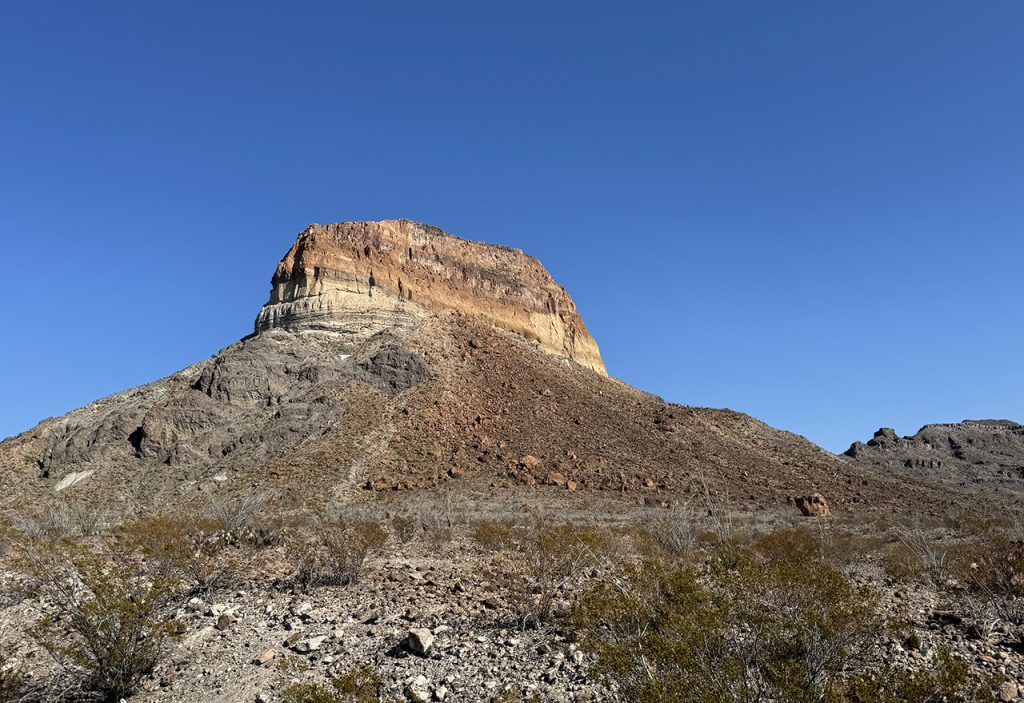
(356, 279)
(393, 358)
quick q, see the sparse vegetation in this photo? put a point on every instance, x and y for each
(106, 623)
(188, 547)
(776, 624)
(333, 554)
(354, 686)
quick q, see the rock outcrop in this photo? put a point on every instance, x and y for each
(355, 279)
(973, 454)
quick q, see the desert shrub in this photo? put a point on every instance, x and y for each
(8, 534)
(403, 527)
(106, 623)
(186, 547)
(747, 630)
(674, 530)
(948, 680)
(790, 544)
(927, 550)
(354, 686)
(993, 572)
(335, 554)
(236, 516)
(547, 559)
(495, 535)
(445, 513)
(63, 519)
(440, 536)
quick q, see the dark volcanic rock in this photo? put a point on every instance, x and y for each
(256, 400)
(973, 454)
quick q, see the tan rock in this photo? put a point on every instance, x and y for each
(355, 279)
(813, 505)
(264, 657)
(530, 461)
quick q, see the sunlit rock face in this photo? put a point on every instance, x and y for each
(355, 279)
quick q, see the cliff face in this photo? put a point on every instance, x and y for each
(356, 279)
(974, 454)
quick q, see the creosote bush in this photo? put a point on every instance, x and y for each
(106, 623)
(186, 547)
(993, 572)
(547, 558)
(771, 624)
(334, 552)
(948, 680)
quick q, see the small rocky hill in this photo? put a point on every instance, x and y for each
(393, 358)
(971, 455)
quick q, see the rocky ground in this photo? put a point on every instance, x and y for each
(433, 617)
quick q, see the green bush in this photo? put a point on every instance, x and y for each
(183, 546)
(108, 624)
(746, 630)
(949, 680)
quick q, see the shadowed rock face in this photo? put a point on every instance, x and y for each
(972, 453)
(355, 279)
(254, 401)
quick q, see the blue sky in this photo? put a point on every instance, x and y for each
(808, 211)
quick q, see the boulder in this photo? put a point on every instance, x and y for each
(419, 641)
(813, 505)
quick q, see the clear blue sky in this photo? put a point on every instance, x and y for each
(808, 211)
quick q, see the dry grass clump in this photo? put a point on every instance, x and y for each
(354, 686)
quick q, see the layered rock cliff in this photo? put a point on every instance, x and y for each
(355, 279)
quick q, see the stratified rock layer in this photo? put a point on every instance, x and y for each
(355, 279)
(972, 453)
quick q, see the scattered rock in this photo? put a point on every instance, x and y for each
(419, 641)
(418, 689)
(311, 644)
(265, 657)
